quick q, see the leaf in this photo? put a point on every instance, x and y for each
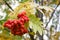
(17, 38)
(35, 23)
(6, 32)
(26, 25)
(4, 35)
(23, 1)
(55, 1)
(7, 10)
(7, 36)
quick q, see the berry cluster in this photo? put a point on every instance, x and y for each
(22, 16)
(17, 26)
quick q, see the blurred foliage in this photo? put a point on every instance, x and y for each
(23, 1)
(2, 21)
(6, 35)
(46, 10)
(34, 22)
(55, 1)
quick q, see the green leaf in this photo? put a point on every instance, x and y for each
(23, 1)
(5, 33)
(55, 1)
(38, 0)
(17, 37)
(35, 23)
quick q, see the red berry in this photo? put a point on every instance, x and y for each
(15, 21)
(21, 14)
(22, 26)
(26, 19)
(22, 30)
(17, 33)
(20, 22)
(13, 32)
(9, 21)
(7, 24)
(20, 34)
(17, 26)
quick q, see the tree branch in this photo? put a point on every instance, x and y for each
(8, 5)
(51, 16)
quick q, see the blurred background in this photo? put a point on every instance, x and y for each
(48, 12)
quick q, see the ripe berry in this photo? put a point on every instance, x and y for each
(20, 22)
(21, 14)
(26, 19)
(8, 26)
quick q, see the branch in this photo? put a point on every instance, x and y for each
(8, 5)
(51, 16)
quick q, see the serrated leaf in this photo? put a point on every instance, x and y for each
(35, 23)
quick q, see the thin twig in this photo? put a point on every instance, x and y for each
(51, 16)
(8, 5)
